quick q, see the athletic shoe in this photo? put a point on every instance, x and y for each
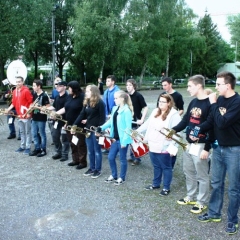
(186, 201)
(118, 182)
(198, 208)
(96, 174)
(205, 218)
(35, 152)
(110, 179)
(231, 228)
(20, 150)
(135, 163)
(151, 187)
(89, 172)
(42, 153)
(164, 192)
(27, 151)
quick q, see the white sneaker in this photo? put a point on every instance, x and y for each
(118, 182)
(110, 179)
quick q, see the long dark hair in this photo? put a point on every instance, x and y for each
(75, 86)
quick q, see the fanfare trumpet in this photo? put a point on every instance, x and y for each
(170, 133)
(138, 146)
(77, 129)
(52, 114)
(32, 107)
(107, 140)
(10, 113)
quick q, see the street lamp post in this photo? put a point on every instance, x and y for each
(53, 42)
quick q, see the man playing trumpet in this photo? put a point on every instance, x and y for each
(22, 98)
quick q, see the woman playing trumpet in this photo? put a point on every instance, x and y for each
(92, 114)
(120, 121)
(163, 116)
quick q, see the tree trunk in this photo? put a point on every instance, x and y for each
(142, 74)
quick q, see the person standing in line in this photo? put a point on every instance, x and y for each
(72, 108)
(225, 119)
(178, 101)
(39, 120)
(21, 101)
(195, 158)
(100, 85)
(92, 114)
(11, 119)
(140, 111)
(58, 133)
(108, 96)
(164, 116)
(119, 124)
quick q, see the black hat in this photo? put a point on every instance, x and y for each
(62, 83)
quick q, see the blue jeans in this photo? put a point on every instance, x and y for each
(115, 148)
(39, 127)
(225, 160)
(94, 153)
(11, 126)
(162, 165)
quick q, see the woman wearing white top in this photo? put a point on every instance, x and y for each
(165, 116)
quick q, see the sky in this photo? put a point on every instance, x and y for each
(218, 10)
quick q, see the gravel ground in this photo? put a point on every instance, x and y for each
(45, 199)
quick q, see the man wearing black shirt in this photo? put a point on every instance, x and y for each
(140, 111)
(39, 120)
(58, 133)
(225, 119)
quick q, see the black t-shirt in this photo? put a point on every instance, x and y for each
(95, 115)
(138, 103)
(73, 107)
(116, 135)
(178, 100)
(101, 88)
(43, 101)
(58, 104)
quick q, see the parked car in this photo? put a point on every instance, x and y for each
(157, 83)
(210, 82)
(179, 81)
(238, 83)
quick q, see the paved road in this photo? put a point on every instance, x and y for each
(47, 200)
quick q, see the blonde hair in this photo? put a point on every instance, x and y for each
(95, 96)
(170, 102)
(208, 91)
(126, 99)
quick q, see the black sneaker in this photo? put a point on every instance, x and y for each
(42, 153)
(96, 174)
(11, 136)
(205, 218)
(231, 228)
(151, 187)
(89, 172)
(164, 192)
(35, 152)
(63, 159)
(56, 156)
(71, 164)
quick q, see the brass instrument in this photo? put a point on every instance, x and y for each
(10, 113)
(136, 136)
(34, 105)
(53, 114)
(77, 129)
(170, 133)
(94, 130)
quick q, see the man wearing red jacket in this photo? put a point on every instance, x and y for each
(22, 99)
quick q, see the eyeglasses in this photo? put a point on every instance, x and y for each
(161, 102)
(56, 84)
(219, 84)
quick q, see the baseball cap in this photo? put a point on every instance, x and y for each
(62, 83)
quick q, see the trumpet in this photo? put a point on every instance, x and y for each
(76, 129)
(54, 114)
(94, 130)
(170, 134)
(33, 106)
(136, 136)
(2, 112)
